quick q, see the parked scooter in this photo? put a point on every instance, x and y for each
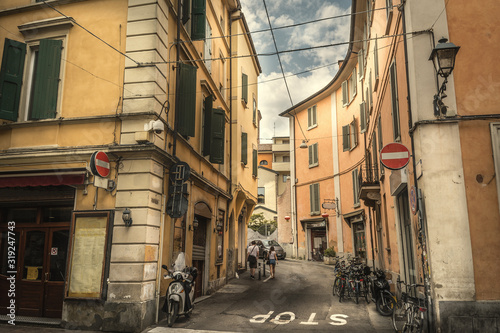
(180, 293)
(381, 294)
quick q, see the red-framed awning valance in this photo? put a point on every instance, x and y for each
(42, 179)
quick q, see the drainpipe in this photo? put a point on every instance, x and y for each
(177, 79)
(423, 221)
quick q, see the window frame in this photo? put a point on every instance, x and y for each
(313, 155)
(314, 199)
(312, 117)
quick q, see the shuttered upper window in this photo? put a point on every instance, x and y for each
(244, 87)
(314, 199)
(41, 79)
(244, 148)
(312, 117)
(214, 129)
(313, 155)
(187, 100)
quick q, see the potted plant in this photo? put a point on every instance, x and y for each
(329, 256)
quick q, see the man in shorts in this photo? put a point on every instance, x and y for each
(252, 255)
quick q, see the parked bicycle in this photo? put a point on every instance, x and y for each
(351, 281)
(409, 313)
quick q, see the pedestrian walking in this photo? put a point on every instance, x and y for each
(272, 257)
(252, 254)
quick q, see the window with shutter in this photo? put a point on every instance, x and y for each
(346, 143)
(244, 87)
(254, 162)
(218, 136)
(312, 117)
(355, 186)
(313, 155)
(361, 63)
(353, 85)
(208, 48)
(198, 19)
(353, 129)
(244, 148)
(314, 198)
(11, 78)
(207, 125)
(44, 92)
(362, 117)
(187, 100)
(345, 93)
(254, 111)
(394, 100)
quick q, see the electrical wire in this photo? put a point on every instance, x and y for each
(90, 32)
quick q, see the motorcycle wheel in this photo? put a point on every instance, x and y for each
(386, 304)
(173, 310)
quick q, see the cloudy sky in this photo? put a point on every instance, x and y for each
(319, 65)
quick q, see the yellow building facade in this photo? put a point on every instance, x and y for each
(121, 137)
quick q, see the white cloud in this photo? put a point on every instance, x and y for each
(273, 96)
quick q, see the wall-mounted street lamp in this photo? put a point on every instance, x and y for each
(127, 217)
(194, 225)
(443, 57)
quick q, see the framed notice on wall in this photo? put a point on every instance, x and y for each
(87, 267)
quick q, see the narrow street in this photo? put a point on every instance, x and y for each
(298, 299)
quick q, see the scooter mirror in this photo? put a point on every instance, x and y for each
(164, 267)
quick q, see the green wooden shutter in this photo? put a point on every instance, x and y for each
(310, 148)
(207, 125)
(362, 117)
(11, 78)
(345, 138)
(218, 132)
(254, 162)
(46, 86)
(198, 24)
(345, 94)
(244, 148)
(186, 7)
(244, 87)
(187, 100)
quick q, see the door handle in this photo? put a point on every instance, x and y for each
(47, 276)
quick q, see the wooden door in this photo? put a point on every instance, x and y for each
(42, 272)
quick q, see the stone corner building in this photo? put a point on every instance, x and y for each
(103, 104)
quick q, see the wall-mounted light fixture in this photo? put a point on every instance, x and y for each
(219, 226)
(443, 57)
(127, 217)
(194, 225)
(303, 145)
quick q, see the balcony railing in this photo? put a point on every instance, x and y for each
(369, 185)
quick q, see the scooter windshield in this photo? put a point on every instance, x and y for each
(180, 262)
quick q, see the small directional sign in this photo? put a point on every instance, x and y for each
(394, 156)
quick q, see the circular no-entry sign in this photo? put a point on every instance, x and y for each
(99, 164)
(394, 156)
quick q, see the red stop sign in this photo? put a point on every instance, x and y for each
(394, 156)
(99, 164)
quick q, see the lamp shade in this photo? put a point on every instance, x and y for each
(443, 57)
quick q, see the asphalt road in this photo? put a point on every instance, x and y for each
(299, 299)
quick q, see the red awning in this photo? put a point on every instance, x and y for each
(42, 180)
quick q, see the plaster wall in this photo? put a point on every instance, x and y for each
(439, 149)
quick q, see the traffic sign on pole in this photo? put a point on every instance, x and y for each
(394, 156)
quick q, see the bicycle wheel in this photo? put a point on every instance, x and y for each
(336, 287)
(386, 304)
(341, 291)
(399, 317)
(356, 292)
(364, 291)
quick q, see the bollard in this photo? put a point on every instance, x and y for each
(264, 265)
(259, 270)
